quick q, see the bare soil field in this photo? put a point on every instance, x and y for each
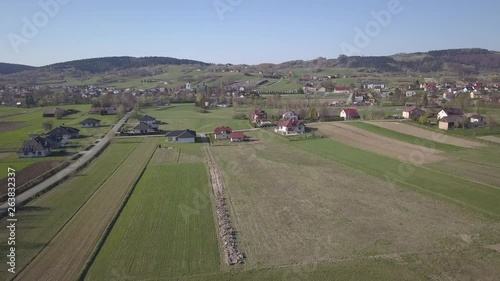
(362, 139)
(10, 126)
(291, 207)
(66, 255)
(427, 134)
(29, 173)
(4, 154)
(491, 138)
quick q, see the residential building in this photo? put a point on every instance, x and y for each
(413, 112)
(36, 147)
(290, 127)
(237, 136)
(450, 112)
(349, 114)
(186, 136)
(222, 132)
(90, 123)
(64, 133)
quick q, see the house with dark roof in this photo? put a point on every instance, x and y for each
(186, 136)
(106, 110)
(151, 121)
(222, 132)
(413, 112)
(90, 123)
(237, 136)
(450, 122)
(64, 133)
(477, 120)
(450, 112)
(290, 115)
(290, 127)
(36, 147)
(143, 128)
(349, 114)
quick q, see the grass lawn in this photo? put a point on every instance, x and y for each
(183, 116)
(43, 218)
(404, 137)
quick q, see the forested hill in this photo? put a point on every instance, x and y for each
(100, 65)
(8, 68)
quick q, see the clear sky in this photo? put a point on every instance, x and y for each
(239, 31)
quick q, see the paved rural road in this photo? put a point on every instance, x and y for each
(20, 198)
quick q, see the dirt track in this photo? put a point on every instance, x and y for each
(362, 139)
(426, 134)
(491, 138)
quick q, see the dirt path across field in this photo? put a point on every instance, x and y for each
(368, 141)
(427, 134)
(491, 138)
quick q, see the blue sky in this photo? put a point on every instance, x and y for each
(241, 31)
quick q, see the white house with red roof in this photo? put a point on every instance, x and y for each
(222, 133)
(237, 136)
(290, 127)
(349, 114)
(342, 90)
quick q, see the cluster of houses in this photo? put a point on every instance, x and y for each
(448, 118)
(147, 125)
(41, 146)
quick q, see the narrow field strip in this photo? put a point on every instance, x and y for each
(66, 255)
(165, 230)
(381, 145)
(427, 134)
(393, 134)
(44, 217)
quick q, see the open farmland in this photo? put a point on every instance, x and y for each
(378, 144)
(162, 232)
(29, 173)
(43, 218)
(67, 253)
(321, 207)
(427, 134)
(9, 126)
(183, 116)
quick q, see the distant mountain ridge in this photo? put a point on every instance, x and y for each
(100, 65)
(8, 68)
(468, 60)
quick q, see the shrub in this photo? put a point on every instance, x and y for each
(240, 116)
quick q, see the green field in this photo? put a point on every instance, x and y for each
(180, 117)
(43, 218)
(158, 235)
(473, 195)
